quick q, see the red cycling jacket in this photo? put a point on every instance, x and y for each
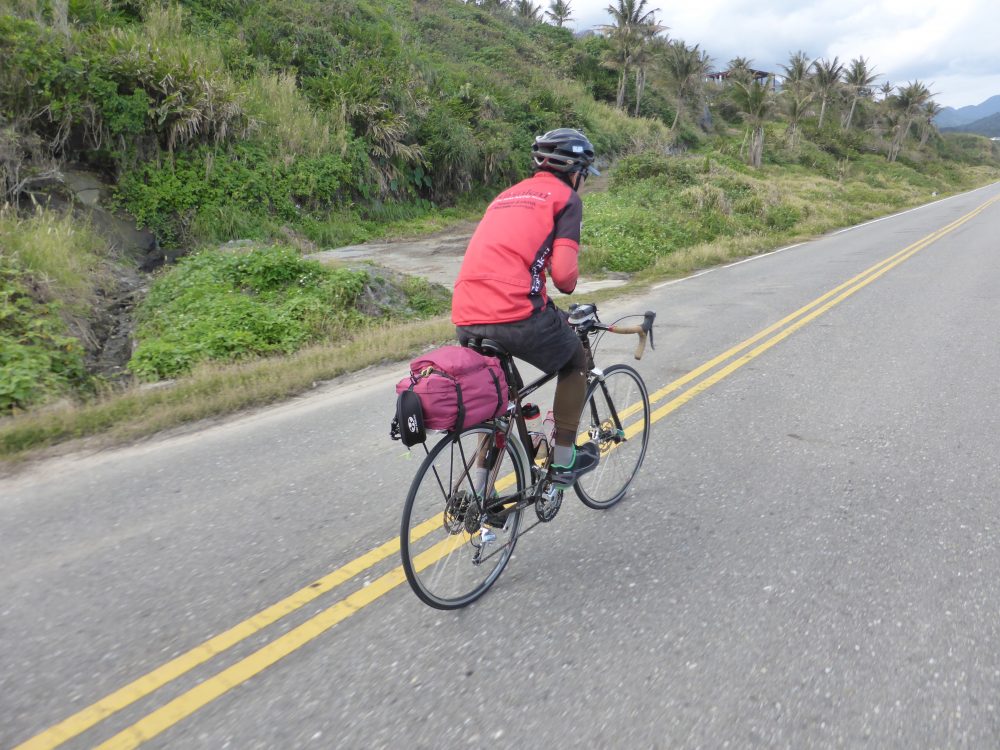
(528, 228)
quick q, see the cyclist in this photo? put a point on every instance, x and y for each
(528, 230)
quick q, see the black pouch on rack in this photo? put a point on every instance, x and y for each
(408, 426)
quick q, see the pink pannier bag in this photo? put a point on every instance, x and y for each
(458, 387)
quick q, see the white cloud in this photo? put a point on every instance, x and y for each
(950, 46)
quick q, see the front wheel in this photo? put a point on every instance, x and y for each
(616, 417)
(446, 558)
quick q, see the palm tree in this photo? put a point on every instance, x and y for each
(825, 80)
(931, 110)
(560, 12)
(885, 120)
(686, 67)
(642, 56)
(627, 19)
(797, 71)
(908, 103)
(796, 104)
(527, 10)
(754, 101)
(795, 94)
(859, 78)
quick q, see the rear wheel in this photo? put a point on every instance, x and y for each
(447, 561)
(616, 417)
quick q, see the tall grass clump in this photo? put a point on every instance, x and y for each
(65, 260)
(51, 271)
(192, 96)
(286, 116)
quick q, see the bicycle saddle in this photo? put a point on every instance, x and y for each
(488, 347)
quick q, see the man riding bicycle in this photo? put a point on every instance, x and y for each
(500, 294)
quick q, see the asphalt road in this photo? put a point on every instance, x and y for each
(808, 558)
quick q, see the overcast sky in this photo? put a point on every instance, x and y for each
(950, 45)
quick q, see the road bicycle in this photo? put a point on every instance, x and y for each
(457, 537)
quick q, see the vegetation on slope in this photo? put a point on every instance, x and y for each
(230, 120)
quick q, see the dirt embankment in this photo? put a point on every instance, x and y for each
(435, 257)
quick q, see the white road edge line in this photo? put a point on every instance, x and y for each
(764, 255)
(903, 213)
(832, 234)
(686, 278)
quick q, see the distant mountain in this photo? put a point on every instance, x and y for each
(953, 118)
(989, 126)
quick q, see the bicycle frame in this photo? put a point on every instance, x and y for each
(458, 501)
(515, 417)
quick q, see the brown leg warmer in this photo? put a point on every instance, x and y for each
(571, 389)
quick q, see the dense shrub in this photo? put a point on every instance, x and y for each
(169, 196)
(628, 234)
(226, 305)
(229, 305)
(838, 143)
(675, 170)
(782, 217)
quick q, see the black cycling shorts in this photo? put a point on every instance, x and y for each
(544, 340)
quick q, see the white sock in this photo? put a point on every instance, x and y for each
(563, 455)
(479, 480)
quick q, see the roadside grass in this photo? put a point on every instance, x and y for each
(210, 391)
(696, 212)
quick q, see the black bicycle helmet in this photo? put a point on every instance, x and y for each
(563, 151)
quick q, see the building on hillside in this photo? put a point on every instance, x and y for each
(758, 75)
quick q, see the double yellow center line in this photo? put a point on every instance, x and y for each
(742, 353)
(187, 703)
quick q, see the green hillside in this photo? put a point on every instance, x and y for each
(245, 133)
(222, 120)
(987, 126)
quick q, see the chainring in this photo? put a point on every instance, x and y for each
(548, 503)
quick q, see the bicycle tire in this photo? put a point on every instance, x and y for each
(436, 544)
(622, 453)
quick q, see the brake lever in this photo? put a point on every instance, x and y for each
(647, 326)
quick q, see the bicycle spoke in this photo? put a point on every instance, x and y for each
(617, 417)
(445, 558)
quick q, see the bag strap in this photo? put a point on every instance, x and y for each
(461, 407)
(496, 385)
